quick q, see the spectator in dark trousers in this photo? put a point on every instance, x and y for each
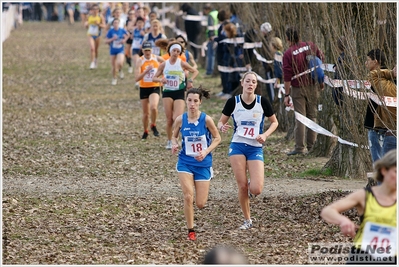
(26, 11)
(61, 11)
(250, 36)
(303, 89)
(49, 9)
(37, 11)
(211, 32)
(266, 31)
(223, 19)
(193, 28)
(233, 55)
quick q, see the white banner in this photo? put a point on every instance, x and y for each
(318, 129)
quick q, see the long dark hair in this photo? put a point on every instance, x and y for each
(200, 91)
(377, 54)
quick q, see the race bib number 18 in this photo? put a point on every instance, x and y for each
(194, 145)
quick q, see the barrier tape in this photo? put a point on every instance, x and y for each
(355, 84)
(349, 86)
(318, 129)
(226, 69)
(252, 45)
(277, 58)
(194, 17)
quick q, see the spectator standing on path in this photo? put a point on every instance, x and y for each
(37, 11)
(61, 11)
(84, 8)
(340, 71)
(248, 111)
(382, 81)
(27, 9)
(193, 28)
(233, 55)
(211, 32)
(146, 67)
(70, 8)
(94, 25)
(49, 10)
(171, 74)
(220, 59)
(276, 46)
(116, 38)
(376, 206)
(194, 167)
(267, 53)
(303, 89)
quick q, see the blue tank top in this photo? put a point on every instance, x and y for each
(137, 39)
(195, 137)
(155, 49)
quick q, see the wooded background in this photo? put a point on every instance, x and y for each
(365, 26)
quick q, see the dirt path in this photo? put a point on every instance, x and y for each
(80, 187)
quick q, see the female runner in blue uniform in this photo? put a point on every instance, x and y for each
(199, 138)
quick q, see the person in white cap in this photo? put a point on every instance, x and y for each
(171, 74)
(265, 51)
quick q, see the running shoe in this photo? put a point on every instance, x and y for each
(114, 81)
(246, 225)
(130, 70)
(192, 236)
(121, 74)
(155, 131)
(145, 135)
(92, 65)
(219, 94)
(169, 145)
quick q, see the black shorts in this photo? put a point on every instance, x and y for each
(129, 41)
(175, 95)
(145, 92)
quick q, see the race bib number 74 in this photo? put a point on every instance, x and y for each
(248, 129)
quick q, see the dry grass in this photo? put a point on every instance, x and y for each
(80, 187)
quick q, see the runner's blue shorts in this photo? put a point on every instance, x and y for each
(250, 152)
(199, 173)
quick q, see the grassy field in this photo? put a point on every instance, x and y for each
(80, 187)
